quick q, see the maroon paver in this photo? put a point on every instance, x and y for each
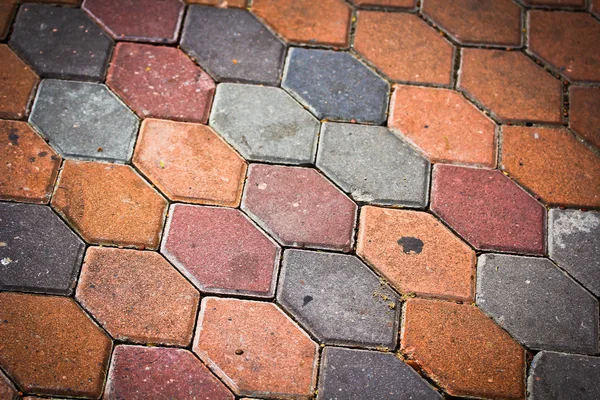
(7, 389)
(584, 113)
(8, 9)
(595, 8)
(386, 3)
(17, 84)
(577, 4)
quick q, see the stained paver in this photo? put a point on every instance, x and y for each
(386, 3)
(8, 9)
(299, 207)
(537, 304)
(7, 389)
(228, 255)
(17, 84)
(335, 85)
(189, 162)
(339, 299)
(373, 165)
(584, 113)
(555, 3)
(84, 120)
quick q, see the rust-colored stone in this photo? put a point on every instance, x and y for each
(17, 84)
(584, 113)
(7, 11)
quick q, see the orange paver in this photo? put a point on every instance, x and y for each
(17, 84)
(584, 113)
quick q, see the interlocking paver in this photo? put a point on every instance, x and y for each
(190, 162)
(299, 207)
(38, 252)
(373, 165)
(228, 255)
(256, 349)
(51, 347)
(584, 112)
(8, 8)
(220, 3)
(7, 389)
(386, 3)
(339, 299)
(555, 3)
(264, 124)
(17, 84)
(336, 85)
(537, 304)
(463, 350)
(84, 120)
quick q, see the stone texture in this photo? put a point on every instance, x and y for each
(555, 3)
(220, 3)
(584, 113)
(7, 389)
(256, 349)
(8, 8)
(17, 84)
(386, 3)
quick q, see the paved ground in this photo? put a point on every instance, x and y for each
(366, 199)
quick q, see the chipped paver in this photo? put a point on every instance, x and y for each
(17, 84)
(584, 113)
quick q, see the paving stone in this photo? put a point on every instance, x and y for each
(299, 207)
(555, 3)
(8, 8)
(110, 204)
(84, 120)
(595, 8)
(386, 3)
(444, 125)
(17, 85)
(61, 42)
(256, 349)
(38, 252)
(264, 124)
(488, 210)
(462, 350)
(190, 162)
(373, 165)
(228, 255)
(220, 3)
(51, 347)
(339, 299)
(138, 296)
(7, 389)
(584, 112)
(537, 304)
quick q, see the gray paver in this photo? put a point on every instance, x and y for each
(84, 120)
(373, 165)
(537, 303)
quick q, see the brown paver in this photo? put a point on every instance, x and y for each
(463, 350)
(190, 162)
(595, 8)
(553, 164)
(220, 3)
(8, 9)
(17, 84)
(256, 349)
(386, 3)
(51, 347)
(584, 113)
(110, 204)
(555, 3)
(7, 389)
(444, 125)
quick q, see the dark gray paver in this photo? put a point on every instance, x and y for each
(84, 120)
(232, 45)
(264, 123)
(339, 299)
(61, 42)
(336, 86)
(373, 165)
(38, 252)
(538, 304)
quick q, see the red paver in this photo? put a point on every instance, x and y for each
(7, 389)
(584, 113)
(463, 350)
(386, 3)
(553, 164)
(8, 9)
(221, 251)
(190, 162)
(444, 125)
(511, 86)
(220, 3)
(51, 347)
(110, 204)
(555, 3)
(17, 84)
(404, 47)
(299, 207)
(488, 210)
(256, 349)
(160, 82)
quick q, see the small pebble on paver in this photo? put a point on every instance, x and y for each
(17, 85)
(7, 389)
(336, 85)
(584, 112)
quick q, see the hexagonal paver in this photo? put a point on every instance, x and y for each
(573, 176)
(17, 84)
(264, 124)
(299, 207)
(335, 85)
(584, 112)
(537, 304)
(51, 347)
(84, 120)
(555, 3)
(444, 125)
(255, 348)
(228, 254)
(38, 252)
(386, 3)
(339, 299)
(463, 350)
(61, 42)
(190, 162)
(110, 204)
(160, 82)
(232, 45)
(488, 210)
(7, 389)
(138, 296)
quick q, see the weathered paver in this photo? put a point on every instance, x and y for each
(335, 85)
(373, 165)
(408, 4)
(17, 84)
(299, 207)
(38, 252)
(221, 251)
(7, 389)
(84, 120)
(584, 113)
(339, 299)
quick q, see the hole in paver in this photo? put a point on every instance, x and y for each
(411, 244)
